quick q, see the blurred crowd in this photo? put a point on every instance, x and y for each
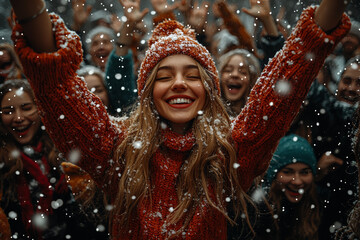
(310, 190)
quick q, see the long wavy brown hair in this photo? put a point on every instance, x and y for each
(308, 215)
(10, 158)
(210, 160)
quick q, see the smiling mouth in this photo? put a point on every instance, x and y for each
(180, 101)
(293, 193)
(102, 55)
(234, 86)
(21, 131)
(352, 99)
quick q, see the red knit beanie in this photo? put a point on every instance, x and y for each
(169, 38)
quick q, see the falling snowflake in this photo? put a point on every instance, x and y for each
(40, 221)
(282, 88)
(74, 156)
(137, 144)
(236, 165)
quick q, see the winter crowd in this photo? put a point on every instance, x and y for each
(185, 128)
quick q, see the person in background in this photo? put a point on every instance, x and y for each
(337, 171)
(233, 35)
(120, 70)
(99, 43)
(167, 165)
(325, 121)
(35, 196)
(239, 70)
(347, 49)
(271, 40)
(10, 66)
(95, 81)
(348, 89)
(291, 209)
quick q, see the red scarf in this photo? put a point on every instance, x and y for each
(44, 205)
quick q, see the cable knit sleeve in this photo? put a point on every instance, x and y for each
(76, 119)
(277, 95)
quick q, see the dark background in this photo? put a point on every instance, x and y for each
(63, 7)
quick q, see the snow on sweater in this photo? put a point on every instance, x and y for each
(76, 120)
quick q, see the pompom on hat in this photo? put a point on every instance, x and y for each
(291, 149)
(169, 38)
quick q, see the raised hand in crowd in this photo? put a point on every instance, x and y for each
(134, 16)
(327, 163)
(198, 15)
(260, 9)
(81, 14)
(116, 23)
(162, 6)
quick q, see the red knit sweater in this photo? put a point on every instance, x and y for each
(76, 119)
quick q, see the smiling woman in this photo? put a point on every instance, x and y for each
(176, 165)
(31, 180)
(179, 93)
(19, 116)
(10, 67)
(292, 198)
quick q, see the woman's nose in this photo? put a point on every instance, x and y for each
(179, 83)
(19, 117)
(296, 179)
(235, 73)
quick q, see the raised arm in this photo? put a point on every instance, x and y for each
(33, 17)
(75, 118)
(329, 13)
(277, 96)
(260, 9)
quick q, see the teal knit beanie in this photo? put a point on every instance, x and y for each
(291, 149)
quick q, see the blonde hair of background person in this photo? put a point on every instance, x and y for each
(244, 75)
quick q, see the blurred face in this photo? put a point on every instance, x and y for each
(295, 179)
(349, 85)
(350, 43)
(96, 86)
(235, 79)
(100, 50)
(6, 63)
(178, 91)
(19, 116)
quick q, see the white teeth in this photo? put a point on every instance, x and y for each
(179, 101)
(20, 128)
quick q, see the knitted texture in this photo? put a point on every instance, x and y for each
(75, 119)
(169, 38)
